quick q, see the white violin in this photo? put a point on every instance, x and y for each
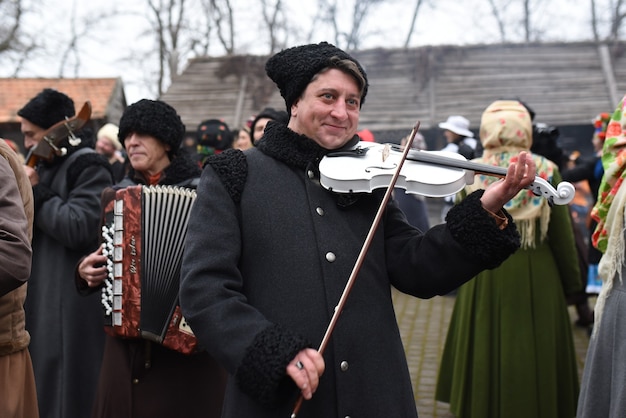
(430, 173)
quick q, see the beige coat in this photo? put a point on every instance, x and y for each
(13, 336)
(16, 373)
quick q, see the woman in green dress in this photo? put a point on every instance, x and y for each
(509, 351)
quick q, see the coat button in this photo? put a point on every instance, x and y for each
(330, 257)
(344, 366)
(135, 381)
(311, 174)
(320, 211)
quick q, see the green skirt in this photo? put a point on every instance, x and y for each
(509, 351)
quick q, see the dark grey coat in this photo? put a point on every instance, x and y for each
(267, 258)
(65, 328)
(603, 386)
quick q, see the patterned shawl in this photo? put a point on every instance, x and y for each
(609, 209)
(505, 130)
(614, 163)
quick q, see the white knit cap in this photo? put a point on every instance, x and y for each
(110, 131)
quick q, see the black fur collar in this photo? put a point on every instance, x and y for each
(293, 149)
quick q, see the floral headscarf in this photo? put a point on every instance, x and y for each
(614, 162)
(505, 130)
(608, 211)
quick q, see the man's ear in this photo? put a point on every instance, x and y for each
(294, 108)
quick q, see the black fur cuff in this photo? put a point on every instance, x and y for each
(476, 230)
(261, 374)
(41, 193)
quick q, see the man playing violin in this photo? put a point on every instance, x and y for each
(65, 329)
(260, 285)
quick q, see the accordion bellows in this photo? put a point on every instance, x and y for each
(144, 234)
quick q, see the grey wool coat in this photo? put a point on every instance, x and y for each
(603, 386)
(267, 256)
(65, 328)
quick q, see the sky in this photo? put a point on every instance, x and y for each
(106, 47)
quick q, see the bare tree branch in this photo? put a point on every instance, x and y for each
(156, 10)
(359, 13)
(526, 20)
(200, 38)
(273, 17)
(594, 21)
(223, 16)
(353, 37)
(80, 30)
(418, 4)
(616, 21)
(496, 14)
(12, 19)
(328, 13)
(168, 25)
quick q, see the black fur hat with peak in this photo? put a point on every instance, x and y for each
(292, 69)
(155, 118)
(47, 108)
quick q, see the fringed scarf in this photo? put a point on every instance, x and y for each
(609, 209)
(505, 130)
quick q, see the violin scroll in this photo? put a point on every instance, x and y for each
(562, 195)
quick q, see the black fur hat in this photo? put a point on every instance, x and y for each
(292, 69)
(47, 108)
(270, 113)
(155, 118)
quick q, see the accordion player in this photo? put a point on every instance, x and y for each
(143, 238)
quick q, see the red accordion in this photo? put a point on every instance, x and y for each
(144, 232)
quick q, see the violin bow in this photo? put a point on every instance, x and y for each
(362, 253)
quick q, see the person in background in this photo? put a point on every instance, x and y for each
(583, 199)
(459, 139)
(242, 139)
(213, 136)
(603, 385)
(108, 144)
(16, 149)
(17, 381)
(509, 351)
(591, 170)
(260, 121)
(545, 143)
(458, 136)
(140, 378)
(258, 285)
(366, 135)
(190, 145)
(66, 338)
(413, 205)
